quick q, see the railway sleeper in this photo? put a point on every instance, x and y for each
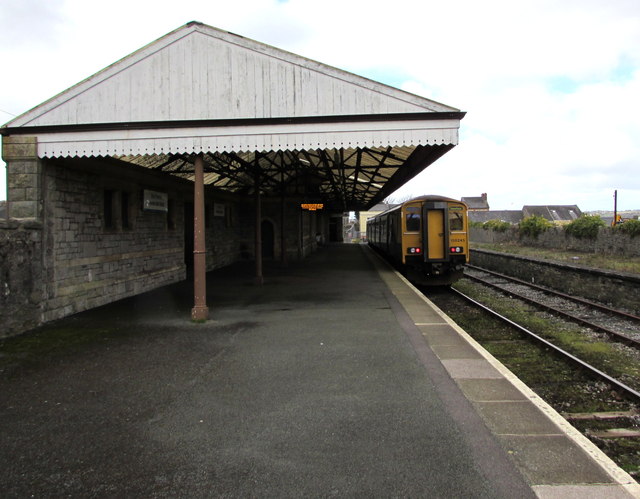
(615, 433)
(598, 416)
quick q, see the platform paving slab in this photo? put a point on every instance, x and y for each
(544, 458)
(463, 351)
(438, 334)
(470, 368)
(487, 390)
(581, 492)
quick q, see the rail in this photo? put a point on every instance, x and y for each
(611, 333)
(617, 383)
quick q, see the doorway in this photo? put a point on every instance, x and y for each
(268, 239)
(335, 229)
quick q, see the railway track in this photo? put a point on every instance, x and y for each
(617, 324)
(605, 408)
(624, 388)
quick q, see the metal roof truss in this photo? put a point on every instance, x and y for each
(343, 179)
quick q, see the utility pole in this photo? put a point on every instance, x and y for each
(615, 207)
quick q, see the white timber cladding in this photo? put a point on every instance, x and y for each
(198, 72)
(247, 138)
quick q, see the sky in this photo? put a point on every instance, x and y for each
(551, 88)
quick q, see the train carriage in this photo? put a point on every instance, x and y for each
(426, 238)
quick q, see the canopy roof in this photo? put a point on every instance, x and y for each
(253, 111)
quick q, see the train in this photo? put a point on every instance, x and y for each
(426, 238)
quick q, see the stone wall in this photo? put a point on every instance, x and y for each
(20, 276)
(603, 286)
(230, 237)
(91, 261)
(608, 242)
(93, 242)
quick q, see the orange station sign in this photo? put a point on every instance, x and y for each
(312, 206)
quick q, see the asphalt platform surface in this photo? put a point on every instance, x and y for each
(306, 386)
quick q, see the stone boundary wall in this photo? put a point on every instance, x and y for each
(608, 242)
(619, 290)
(20, 276)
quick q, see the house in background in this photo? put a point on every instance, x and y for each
(364, 215)
(553, 213)
(511, 216)
(477, 203)
(479, 212)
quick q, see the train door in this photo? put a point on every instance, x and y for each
(435, 233)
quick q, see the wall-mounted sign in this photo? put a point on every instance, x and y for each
(155, 201)
(312, 206)
(218, 210)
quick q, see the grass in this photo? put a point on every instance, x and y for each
(560, 385)
(604, 262)
(42, 344)
(548, 375)
(618, 360)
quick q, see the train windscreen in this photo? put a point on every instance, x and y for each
(413, 219)
(456, 221)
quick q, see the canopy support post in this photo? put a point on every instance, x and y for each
(283, 237)
(259, 278)
(200, 311)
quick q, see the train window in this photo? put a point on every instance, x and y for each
(456, 221)
(413, 219)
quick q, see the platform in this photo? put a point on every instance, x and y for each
(333, 379)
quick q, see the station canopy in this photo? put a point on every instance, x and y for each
(260, 116)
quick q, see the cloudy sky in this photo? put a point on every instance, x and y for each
(551, 87)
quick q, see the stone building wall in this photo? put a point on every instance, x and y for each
(75, 256)
(228, 229)
(20, 276)
(231, 238)
(91, 261)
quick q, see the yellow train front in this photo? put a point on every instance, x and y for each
(426, 237)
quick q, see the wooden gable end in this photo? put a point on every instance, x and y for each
(198, 73)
